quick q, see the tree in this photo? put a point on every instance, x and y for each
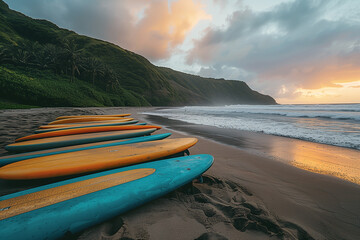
(4, 55)
(110, 79)
(32, 50)
(94, 67)
(73, 56)
(21, 57)
(52, 55)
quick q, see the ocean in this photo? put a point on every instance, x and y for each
(332, 124)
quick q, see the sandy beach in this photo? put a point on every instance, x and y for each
(247, 194)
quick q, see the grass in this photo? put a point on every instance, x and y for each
(44, 88)
(11, 105)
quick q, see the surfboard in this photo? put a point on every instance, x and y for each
(23, 156)
(76, 116)
(75, 131)
(64, 127)
(51, 211)
(63, 141)
(83, 119)
(125, 120)
(91, 160)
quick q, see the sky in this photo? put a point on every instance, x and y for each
(297, 51)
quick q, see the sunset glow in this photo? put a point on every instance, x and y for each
(345, 93)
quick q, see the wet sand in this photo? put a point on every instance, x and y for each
(319, 158)
(245, 195)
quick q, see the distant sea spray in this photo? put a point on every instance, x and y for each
(333, 124)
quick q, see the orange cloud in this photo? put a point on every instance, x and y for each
(162, 27)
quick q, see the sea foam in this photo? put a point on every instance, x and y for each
(337, 125)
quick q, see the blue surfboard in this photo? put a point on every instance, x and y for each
(23, 156)
(50, 211)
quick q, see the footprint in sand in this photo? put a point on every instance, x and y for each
(223, 201)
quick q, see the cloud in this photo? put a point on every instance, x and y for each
(151, 28)
(164, 27)
(295, 45)
(231, 73)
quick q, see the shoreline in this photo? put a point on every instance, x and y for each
(340, 162)
(244, 195)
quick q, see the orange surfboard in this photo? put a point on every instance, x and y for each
(94, 159)
(74, 131)
(77, 116)
(85, 123)
(83, 119)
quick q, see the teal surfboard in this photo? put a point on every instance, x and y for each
(51, 211)
(23, 156)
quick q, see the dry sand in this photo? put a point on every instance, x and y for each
(244, 195)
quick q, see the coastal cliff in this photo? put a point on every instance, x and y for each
(44, 65)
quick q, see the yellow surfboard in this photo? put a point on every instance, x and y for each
(94, 159)
(77, 116)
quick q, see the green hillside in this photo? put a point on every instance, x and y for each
(44, 65)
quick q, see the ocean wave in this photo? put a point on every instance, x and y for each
(336, 112)
(338, 133)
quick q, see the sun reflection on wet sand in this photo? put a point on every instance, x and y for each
(320, 158)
